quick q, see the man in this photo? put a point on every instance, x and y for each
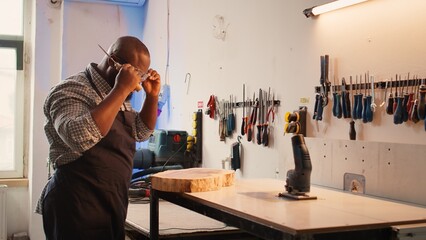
(92, 129)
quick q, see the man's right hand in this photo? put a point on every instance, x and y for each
(128, 79)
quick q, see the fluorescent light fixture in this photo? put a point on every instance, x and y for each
(317, 10)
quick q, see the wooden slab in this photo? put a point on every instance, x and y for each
(192, 180)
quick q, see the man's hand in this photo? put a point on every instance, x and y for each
(128, 79)
(152, 84)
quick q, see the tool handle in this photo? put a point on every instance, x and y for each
(404, 108)
(359, 106)
(414, 113)
(369, 111)
(317, 97)
(320, 109)
(249, 132)
(259, 134)
(352, 132)
(410, 105)
(232, 122)
(334, 104)
(222, 129)
(364, 110)
(265, 137)
(389, 106)
(243, 126)
(397, 116)
(421, 108)
(338, 106)
(346, 105)
(354, 110)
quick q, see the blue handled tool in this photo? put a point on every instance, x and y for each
(346, 102)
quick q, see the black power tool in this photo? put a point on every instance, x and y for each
(298, 182)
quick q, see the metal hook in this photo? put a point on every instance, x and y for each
(239, 139)
(187, 77)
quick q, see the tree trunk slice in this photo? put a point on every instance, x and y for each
(192, 180)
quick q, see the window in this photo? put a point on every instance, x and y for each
(12, 89)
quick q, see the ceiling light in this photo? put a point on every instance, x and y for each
(317, 10)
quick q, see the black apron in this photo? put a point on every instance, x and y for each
(88, 198)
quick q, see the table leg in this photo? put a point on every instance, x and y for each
(154, 215)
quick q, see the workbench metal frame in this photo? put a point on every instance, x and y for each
(257, 227)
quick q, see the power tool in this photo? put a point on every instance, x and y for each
(298, 182)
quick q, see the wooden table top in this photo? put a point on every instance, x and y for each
(333, 211)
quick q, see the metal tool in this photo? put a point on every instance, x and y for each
(265, 136)
(373, 104)
(389, 106)
(356, 100)
(334, 95)
(421, 108)
(244, 122)
(366, 106)
(337, 106)
(352, 132)
(414, 113)
(369, 111)
(410, 102)
(321, 99)
(260, 118)
(384, 95)
(397, 116)
(118, 66)
(359, 100)
(252, 119)
(346, 103)
(406, 97)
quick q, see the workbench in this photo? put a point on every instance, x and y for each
(253, 205)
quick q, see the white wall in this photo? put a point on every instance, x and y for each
(269, 43)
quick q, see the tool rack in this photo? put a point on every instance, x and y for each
(377, 85)
(250, 103)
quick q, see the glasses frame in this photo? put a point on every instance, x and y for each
(118, 66)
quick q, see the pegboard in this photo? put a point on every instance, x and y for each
(391, 170)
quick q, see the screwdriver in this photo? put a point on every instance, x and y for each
(397, 116)
(352, 132)
(260, 118)
(337, 106)
(421, 111)
(396, 92)
(346, 104)
(317, 97)
(355, 98)
(410, 102)
(367, 114)
(265, 137)
(414, 113)
(320, 108)
(370, 100)
(389, 106)
(359, 100)
(405, 101)
(252, 120)
(244, 122)
(334, 93)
